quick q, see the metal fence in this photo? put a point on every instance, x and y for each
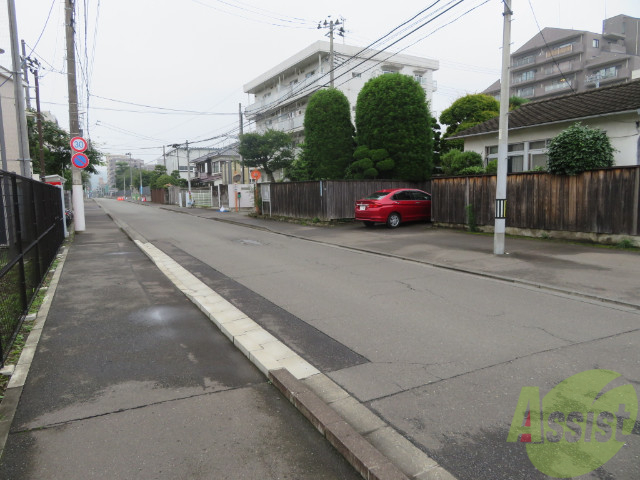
(31, 232)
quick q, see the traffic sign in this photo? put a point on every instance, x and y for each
(78, 144)
(80, 160)
(255, 174)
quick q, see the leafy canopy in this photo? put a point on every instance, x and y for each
(269, 151)
(455, 162)
(328, 137)
(579, 148)
(392, 114)
(56, 150)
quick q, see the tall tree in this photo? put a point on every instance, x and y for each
(464, 113)
(57, 149)
(270, 151)
(392, 114)
(328, 135)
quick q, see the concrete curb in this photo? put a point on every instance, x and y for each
(13, 392)
(368, 443)
(369, 456)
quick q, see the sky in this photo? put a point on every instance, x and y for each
(160, 72)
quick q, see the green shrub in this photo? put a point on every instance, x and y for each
(492, 167)
(454, 161)
(476, 170)
(579, 148)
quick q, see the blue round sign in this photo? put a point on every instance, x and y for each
(80, 160)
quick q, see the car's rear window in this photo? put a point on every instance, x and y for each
(377, 195)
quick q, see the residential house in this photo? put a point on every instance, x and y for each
(179, 157)
(558, 61)
(614, 109)
(221, 167)
(280, 95)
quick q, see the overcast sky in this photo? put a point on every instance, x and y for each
(192, 57)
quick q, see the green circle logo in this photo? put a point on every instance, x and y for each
(582, 423)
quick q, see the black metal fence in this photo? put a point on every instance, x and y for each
(31, 232)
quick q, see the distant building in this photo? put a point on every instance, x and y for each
(222, 167)
(113, 160)
(178, 158)
(280, 95)
(558, 61)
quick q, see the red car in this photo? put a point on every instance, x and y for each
(394, 206)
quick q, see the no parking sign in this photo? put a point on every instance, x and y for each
(80, 160)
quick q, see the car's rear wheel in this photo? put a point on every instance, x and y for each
(368, 224)
(393, 220)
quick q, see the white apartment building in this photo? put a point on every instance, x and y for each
(278, 98)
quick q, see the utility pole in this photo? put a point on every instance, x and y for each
(164, 157)
(21, 114)
(503, 136)
(3, 151)
(189, 198)
(74, 122)
(240, 137)
(330, 25)
(26, 77)
(34, 67)
(130, 176)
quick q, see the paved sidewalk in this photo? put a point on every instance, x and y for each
(578, 269)
(131, 380)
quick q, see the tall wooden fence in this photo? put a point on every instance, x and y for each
(599, 201)
(326, 199)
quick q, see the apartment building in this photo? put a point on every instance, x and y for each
(179, 157)
(278, 97)
(559, 61)
(113, 160)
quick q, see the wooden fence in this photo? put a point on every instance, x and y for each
(599, 201)
(326, 199)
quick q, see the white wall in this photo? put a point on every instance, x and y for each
(621, 129)
(10, 126)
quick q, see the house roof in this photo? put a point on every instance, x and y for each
(619, 98)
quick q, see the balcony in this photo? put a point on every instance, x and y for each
(602, 76)
(557, 86)
(286, 93)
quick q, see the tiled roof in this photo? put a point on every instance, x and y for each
(600, 101)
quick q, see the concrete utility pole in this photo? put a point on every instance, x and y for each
(330, 25)
(503, 136)
(241, 132)
(24, 72)
(34, 66)
(77, 193)
(130, 176)
(3, 151)
(21, 114)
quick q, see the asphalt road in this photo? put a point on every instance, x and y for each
(440, 355)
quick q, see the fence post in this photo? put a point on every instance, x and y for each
(636, 201)
(17, 223)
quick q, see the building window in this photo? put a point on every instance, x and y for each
(559, 84)
(596, 43)
(524, 76)
(526, 60)
(525, 92)
(310, 74)
(356, 75)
